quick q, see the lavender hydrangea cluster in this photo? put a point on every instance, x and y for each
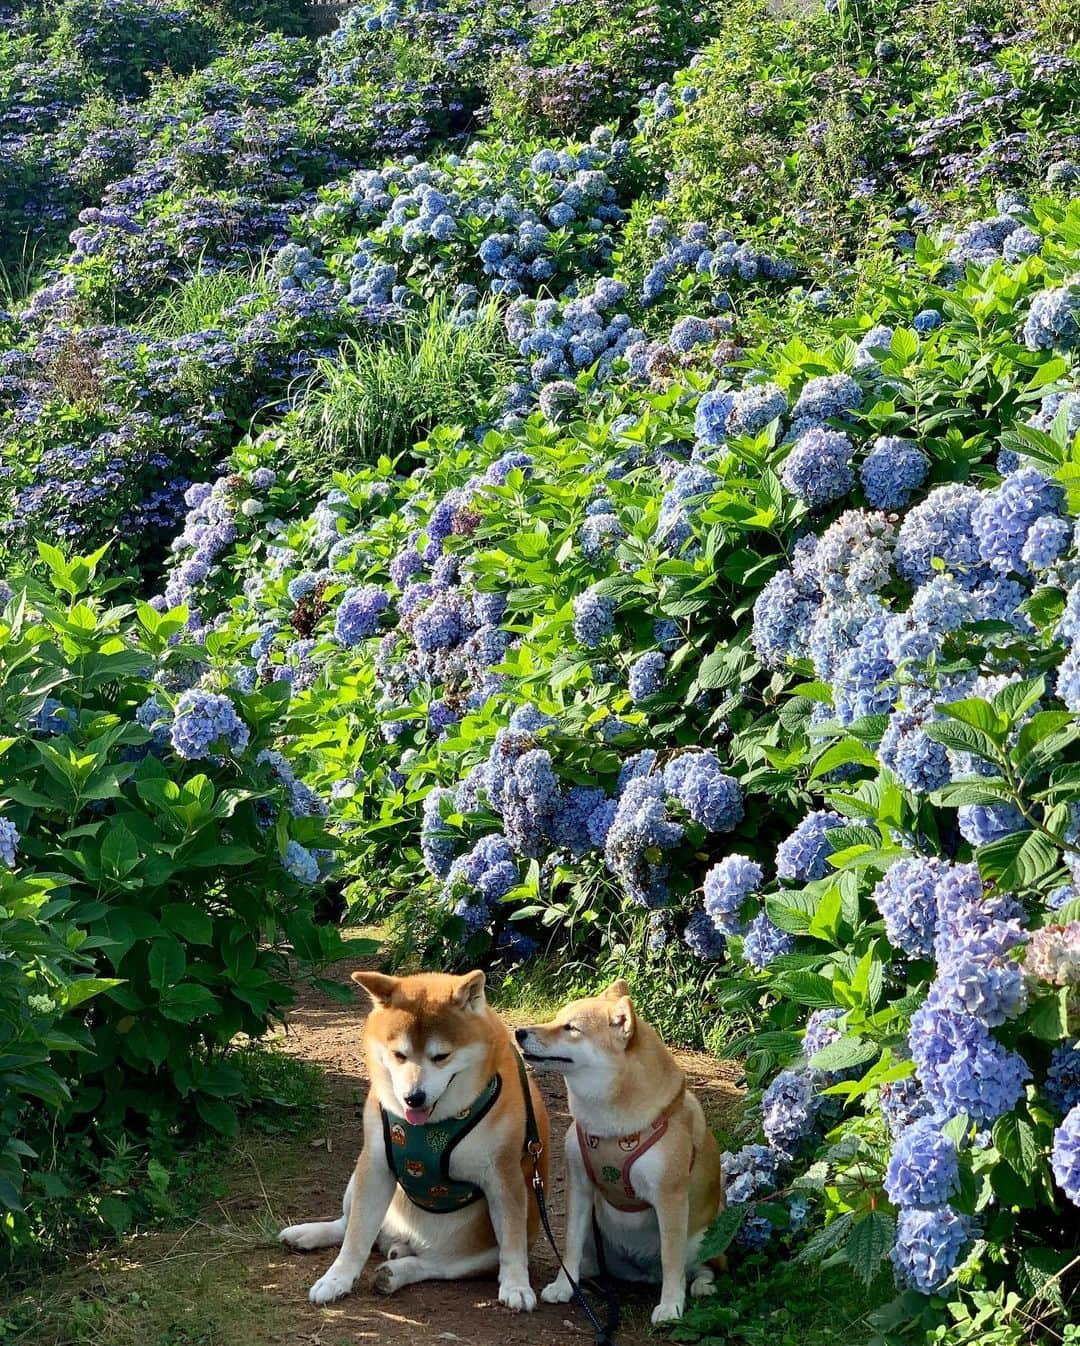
(204, 722)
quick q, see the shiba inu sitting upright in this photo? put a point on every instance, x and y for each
(639, 1151)
(442, 1184)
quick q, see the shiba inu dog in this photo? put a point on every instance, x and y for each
(639, 1151)
(442, 1185)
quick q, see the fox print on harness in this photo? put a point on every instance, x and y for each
(609, 1160)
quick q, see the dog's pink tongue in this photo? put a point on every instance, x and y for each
(417, 1116)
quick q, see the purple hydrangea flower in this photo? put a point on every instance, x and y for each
(818, 468)
(803, 856)
(923, 1168)
(928, 1246)
(1065, 1155)
(205, 720)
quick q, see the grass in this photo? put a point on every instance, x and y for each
(200, 301)
(766, 1302)
(20, 277)
(143, 1290)
(382, 398)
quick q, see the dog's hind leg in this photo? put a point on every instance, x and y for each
(702, 1282)
(320, 1233)
(394, 1275)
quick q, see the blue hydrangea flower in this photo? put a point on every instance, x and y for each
(980, 824)
(1062, 1085)
(818, 469)
(206, 720)
(1053, 321)
(803, 856)
(923, 1169)
(789, 1107)
(940, 527)
(358, 614)
(710, 419)
(821, 1031)
(594, 618)
(437, 841)
(828, 397)
(784, 613)
(754, 407)
(962, 1067)
(892, 472)
(702, 938)
(9, 842)
(689, 332)
(646, 676)
(917, 760)
(765, 942)
(926, 320)
(906, 898)
(1047, 540)
(709, 795)
(639, 834)
(902, 1103)
(853, 556)
(727, 886)
(299, 862)
(1003, 517)
(748, 1173)
(1065, 1155)
(928, 1247)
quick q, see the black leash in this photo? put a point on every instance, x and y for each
(603, 1333)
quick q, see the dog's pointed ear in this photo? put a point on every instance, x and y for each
(618, 988)
(623, 1020)
(379, 987)
(469, 991)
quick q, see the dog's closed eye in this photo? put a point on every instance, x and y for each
(439, 1058)
(570, 1028)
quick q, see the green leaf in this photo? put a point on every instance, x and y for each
(1016, 1142)
(166, 963)
(869, 1244)
(980, 715)
(841, 754)
(119, 851)
(115, 1213)
(848, 1051)
(963, 738)
(188, 921)
(79, 991)
(1017, 862)
(187, 1002)
(218, 1114)
(719, 1235)
(1048, 1018)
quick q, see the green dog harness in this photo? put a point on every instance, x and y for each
(419, 1156)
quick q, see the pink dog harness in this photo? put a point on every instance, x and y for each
(609, 1160)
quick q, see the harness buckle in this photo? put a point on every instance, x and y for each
(535, 1148)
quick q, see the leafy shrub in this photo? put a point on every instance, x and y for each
(121, 40)
(154, 847)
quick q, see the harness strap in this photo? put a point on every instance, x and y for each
(603, 1333)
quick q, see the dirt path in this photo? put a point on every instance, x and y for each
(466, 1312)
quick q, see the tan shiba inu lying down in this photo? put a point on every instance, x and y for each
(442, 1184)
(639, 1151)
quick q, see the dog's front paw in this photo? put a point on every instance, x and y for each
(558, 1292)
(517, 1298)
(669, 1310)
(332, 1286)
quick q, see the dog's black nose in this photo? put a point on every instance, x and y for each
(521, 1034)
(416, 1099)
